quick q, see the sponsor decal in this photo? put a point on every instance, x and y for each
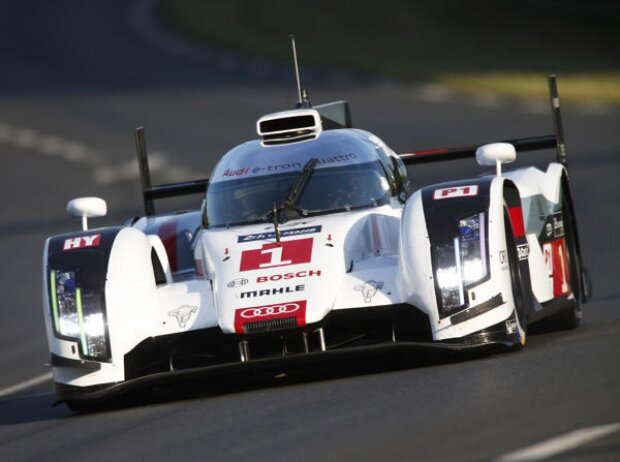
(82, 242)
(553, 227)
(275, 254)
(456, 191)
(234, 173)
(503, 257)
(549, 229)
(237, 282)
(295, 309)
(183, 314)
(285, 276)
(293, 165)
(263, 170)
(274, 291)
(283, 233)
(558, 225)
(523, 252)
(369, 289)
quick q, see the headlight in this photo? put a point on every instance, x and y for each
(461, 263)
(78, 315)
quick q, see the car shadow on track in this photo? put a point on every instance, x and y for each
(41, 407)
(30, 408)
(198, 388)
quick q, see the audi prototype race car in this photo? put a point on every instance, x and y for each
(310, 244)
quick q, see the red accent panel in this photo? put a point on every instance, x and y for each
(168, 236)
(273, 311)
(277, 254)
(516, 218)
(430, 151)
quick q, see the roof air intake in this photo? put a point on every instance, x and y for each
(289, 126)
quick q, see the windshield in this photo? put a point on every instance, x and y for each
(329, 190)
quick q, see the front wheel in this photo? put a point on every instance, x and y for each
(517, 323)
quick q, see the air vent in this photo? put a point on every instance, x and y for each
(289, 126)
(270, 325)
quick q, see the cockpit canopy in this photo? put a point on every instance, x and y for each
(354, 170)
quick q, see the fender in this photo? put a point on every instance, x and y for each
(434, 213)
(87, 254)
(114, 270)
(512, 201)
(544, 196)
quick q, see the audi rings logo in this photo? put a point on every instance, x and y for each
(249, 315)
(274, 310)
(237, 282)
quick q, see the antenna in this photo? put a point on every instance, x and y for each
(302, 96)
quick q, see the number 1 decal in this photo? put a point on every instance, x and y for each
(557, 266)
(276, 258)
(563, 268)
(277, 254)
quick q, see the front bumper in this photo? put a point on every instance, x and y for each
(356, 334)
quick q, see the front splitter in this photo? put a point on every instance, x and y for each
(275, 365)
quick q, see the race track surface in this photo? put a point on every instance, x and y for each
(77, 77)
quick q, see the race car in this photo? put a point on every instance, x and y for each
(310, 243)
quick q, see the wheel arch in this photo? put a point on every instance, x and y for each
(511, 201)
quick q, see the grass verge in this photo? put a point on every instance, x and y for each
(467, 46)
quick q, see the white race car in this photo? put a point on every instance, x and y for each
(309, 244)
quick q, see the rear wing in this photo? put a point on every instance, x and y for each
(433, 155)
(534, 143)
(337, 115)
(150, 192)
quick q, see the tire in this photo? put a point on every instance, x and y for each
(517, 285)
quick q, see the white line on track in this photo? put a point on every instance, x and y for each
(39, 379)
(74, 151)
(49, 145)
(559, 444)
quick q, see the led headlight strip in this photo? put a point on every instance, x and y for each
(77, 315)
(461, 263)
(80, 314)
(54, 300)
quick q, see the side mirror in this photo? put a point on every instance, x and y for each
(87, 207)
(496, 154)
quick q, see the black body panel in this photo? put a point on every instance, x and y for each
(442, 215)
(88, 259)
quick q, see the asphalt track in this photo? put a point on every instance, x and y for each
(76, 77)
